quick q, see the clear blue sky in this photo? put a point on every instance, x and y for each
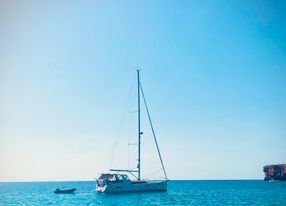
(214, 74)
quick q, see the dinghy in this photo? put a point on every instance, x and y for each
(64, 191)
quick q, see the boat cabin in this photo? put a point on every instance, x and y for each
(106, 178)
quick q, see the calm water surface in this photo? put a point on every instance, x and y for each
(247, 192)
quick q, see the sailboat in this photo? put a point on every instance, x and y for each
(119, 181)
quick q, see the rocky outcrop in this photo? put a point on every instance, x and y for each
(275, 172)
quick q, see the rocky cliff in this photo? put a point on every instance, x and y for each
(275, 172)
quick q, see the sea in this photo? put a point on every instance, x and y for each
(196, 192)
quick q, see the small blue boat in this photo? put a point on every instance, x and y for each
(64, 191)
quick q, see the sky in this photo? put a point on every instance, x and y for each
(213, 72)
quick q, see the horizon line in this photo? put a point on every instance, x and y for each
(43, 181)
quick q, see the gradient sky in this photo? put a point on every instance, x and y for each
(213, 72)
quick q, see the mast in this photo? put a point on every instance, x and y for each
(139, 128)
(138, 171)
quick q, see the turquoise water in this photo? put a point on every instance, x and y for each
(248, 192)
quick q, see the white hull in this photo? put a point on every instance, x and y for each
(134, 186)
